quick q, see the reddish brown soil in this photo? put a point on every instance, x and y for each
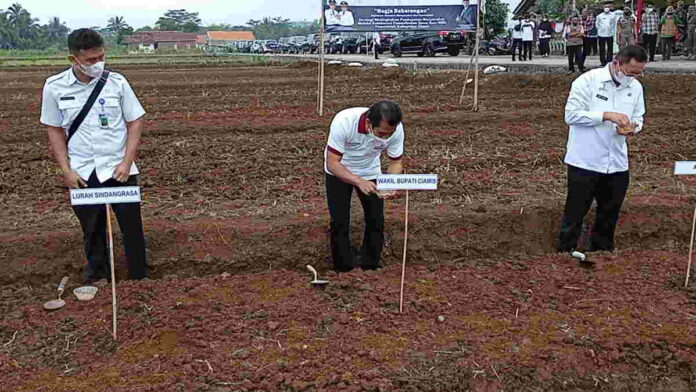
(231, 169)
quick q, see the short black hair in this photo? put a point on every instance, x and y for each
(84, 39)
(634, 52)
(387, 111)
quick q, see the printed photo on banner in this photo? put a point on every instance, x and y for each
(400, 15)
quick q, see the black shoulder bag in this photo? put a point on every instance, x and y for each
(88, 105)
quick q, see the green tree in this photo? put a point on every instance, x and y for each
(179, 20)
(119, 28)
(56, 30)
(495, 18)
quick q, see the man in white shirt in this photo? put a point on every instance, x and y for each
(528, 27)
(376, 43)
(605, 107)
(357, 138)
(102, 150)
(346, 15)
(606, 31)
(332, 14)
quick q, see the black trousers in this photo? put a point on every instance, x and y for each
(589, 47)
(606, 50)
(575, 56)
(544, 47)
(650, 44)
(667, 46)
(527, 45)
(376, 48)
(93, 221)
(516, 47)
(339, 194)
(584, 186)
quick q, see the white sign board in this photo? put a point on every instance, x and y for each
(682, 168)
(126, 194)
(413, 182)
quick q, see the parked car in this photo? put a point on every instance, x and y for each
(296, 43)
(284, 45)
(429, 43)
(269, 46)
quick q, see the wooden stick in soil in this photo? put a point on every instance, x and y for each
(691, 250)
(321, 62)
(113, 273)
(475, 108)
(403, 265)
(466, 78)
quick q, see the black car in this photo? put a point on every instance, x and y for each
(429, 43)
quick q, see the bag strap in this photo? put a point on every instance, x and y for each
(88, 105)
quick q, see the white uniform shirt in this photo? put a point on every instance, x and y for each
(92, 147)
(332, 17)
(606, 23)
(515, 33)
(360, 152)
(347, 18)
(593, 144)
(528, 30)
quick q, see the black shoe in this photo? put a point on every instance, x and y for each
(570, 72)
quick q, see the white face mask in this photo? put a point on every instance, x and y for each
(376, 138)
(96, 70)
(607, 9)
(621, 77)
(650, 10)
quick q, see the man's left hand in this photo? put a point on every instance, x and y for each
(626, 131)
(122, 171)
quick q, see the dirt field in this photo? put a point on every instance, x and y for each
(234, 209)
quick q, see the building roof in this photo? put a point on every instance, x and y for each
(231, 35)
(200, 38)
(150, 37)
(524, 6)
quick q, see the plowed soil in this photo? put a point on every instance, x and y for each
(231, 169)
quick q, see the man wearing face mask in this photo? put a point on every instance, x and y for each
(668, 33)
(357, 138)
(649, 27)
(626, 29)
(545, 33)
(94, 140)
(604, 109)
(606, 31)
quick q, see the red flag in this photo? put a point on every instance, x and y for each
(639, 16)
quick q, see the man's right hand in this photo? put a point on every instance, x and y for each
(73, 181)
(367, 187)
(619, 119)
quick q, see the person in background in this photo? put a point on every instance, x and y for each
(626, 34)
(682, 15)
(528, 27)
(604, 109)
(606, 31)
(668, 33)
(649, 28)
(691, 32)
(590, 39)
(545, 34)
(376, 43)
(574, 34)
(346, 15)
(331, 15)
(516, 35)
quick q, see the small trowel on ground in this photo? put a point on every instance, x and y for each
(57, 303)
(316, 282)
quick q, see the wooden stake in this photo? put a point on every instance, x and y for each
(476, 68)
(691, 250)
(403, 266)
(466, 78)
(321, 62)
(113, 273)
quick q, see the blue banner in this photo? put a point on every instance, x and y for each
(346, 18)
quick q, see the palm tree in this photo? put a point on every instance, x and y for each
(117, 24)
(16, 13)
(55, 29)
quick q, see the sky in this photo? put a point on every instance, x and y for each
(138, 13)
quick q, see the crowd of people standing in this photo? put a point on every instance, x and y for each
(592, 33)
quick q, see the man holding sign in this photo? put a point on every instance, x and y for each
(357, 138)
(94, 123)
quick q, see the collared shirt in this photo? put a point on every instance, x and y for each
(651, 23)
(528, 27)
(594, 144)
(360, 151)
(346, 18)
(332, 17)
(589, 25)
(606, 23)
(92, 147)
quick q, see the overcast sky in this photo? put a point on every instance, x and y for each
(138, 13)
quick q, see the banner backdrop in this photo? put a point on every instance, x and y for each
(400, 15)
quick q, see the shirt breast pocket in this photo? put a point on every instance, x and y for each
(69, 110)
(625, 104)
(111, 107)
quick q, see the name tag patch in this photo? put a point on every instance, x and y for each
(602, 97)
(67, 98)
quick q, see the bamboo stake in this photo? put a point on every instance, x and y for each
(466, 78)
(691, 250)
(475, 108)
(321, 62)
(403, 265)
(113, 274)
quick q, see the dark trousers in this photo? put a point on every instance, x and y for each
(544, 47)
(589, 47)
(527, 45)
(575, 57)
(584, 186)
(376, 48)
(667, 46)
(93, 221)
(516, 47)
(339, 194)
(650, 44)
(606, 50)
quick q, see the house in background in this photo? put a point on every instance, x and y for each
(227, 38)
(152, 40)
